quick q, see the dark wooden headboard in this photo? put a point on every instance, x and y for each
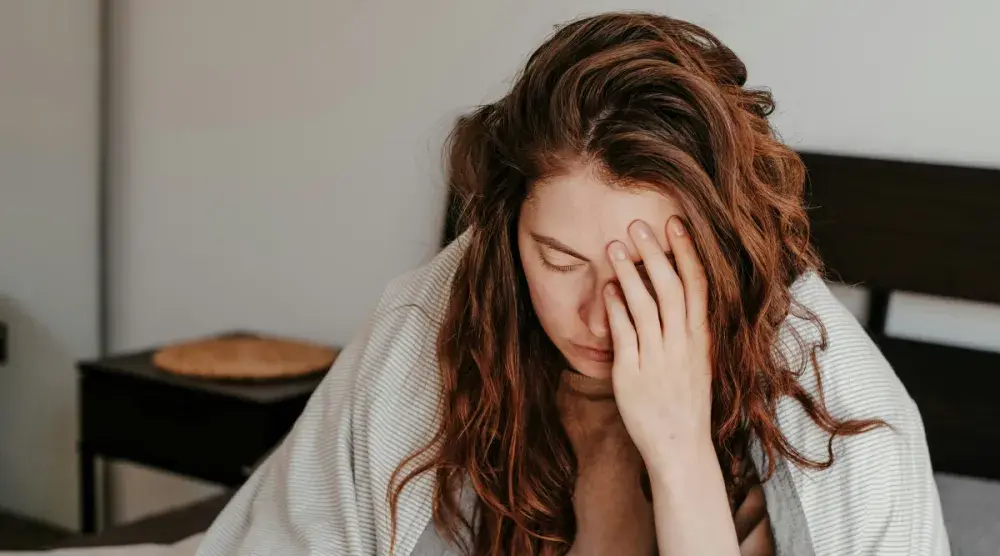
(929, 229)
(895, 226)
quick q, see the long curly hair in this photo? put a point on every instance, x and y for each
(648, 101)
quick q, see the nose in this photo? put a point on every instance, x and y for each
(595, 314)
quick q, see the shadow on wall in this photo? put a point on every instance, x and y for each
(38, 418)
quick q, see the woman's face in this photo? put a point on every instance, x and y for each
(563, 234)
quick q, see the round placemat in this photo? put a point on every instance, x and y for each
(245, 358)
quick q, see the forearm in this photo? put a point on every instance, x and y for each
(691, 507)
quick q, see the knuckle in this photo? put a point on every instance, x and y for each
(646, 303)
(649, 317)
(698, 279)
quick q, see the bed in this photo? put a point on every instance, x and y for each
(894, 226)
(890, 226)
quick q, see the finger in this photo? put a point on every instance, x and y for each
(666, 283)
(691, 271)
(623, 337)
(639, 301)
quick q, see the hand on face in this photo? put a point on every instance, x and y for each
(662, 370)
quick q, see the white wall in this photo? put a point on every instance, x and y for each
(48, 245)
(277, 163)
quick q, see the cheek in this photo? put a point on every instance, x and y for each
(555, 299)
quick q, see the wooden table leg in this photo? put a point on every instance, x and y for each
(88, 491)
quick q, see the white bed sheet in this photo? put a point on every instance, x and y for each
(971, 510)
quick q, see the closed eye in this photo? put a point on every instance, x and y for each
(557, 268)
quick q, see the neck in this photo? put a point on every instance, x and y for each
(588, 386)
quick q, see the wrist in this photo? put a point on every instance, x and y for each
(683, 463)
(690, 505)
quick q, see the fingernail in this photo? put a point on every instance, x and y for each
(609, 290)
(677, 226)
(618, 251)
(641, 229)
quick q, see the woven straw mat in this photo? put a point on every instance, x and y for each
(245, 358)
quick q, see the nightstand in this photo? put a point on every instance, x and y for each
(211, 430)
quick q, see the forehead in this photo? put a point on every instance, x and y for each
(584, 212)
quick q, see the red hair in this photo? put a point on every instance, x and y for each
(648, 101)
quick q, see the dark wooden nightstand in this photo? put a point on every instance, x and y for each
(212, 430)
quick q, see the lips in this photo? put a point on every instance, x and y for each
(596, 354)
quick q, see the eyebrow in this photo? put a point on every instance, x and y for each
(553, 243)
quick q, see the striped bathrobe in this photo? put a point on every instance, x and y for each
(323, 491)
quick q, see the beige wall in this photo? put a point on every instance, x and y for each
(48, 245)
(277, 162)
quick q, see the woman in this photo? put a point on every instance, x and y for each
(628, 351)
